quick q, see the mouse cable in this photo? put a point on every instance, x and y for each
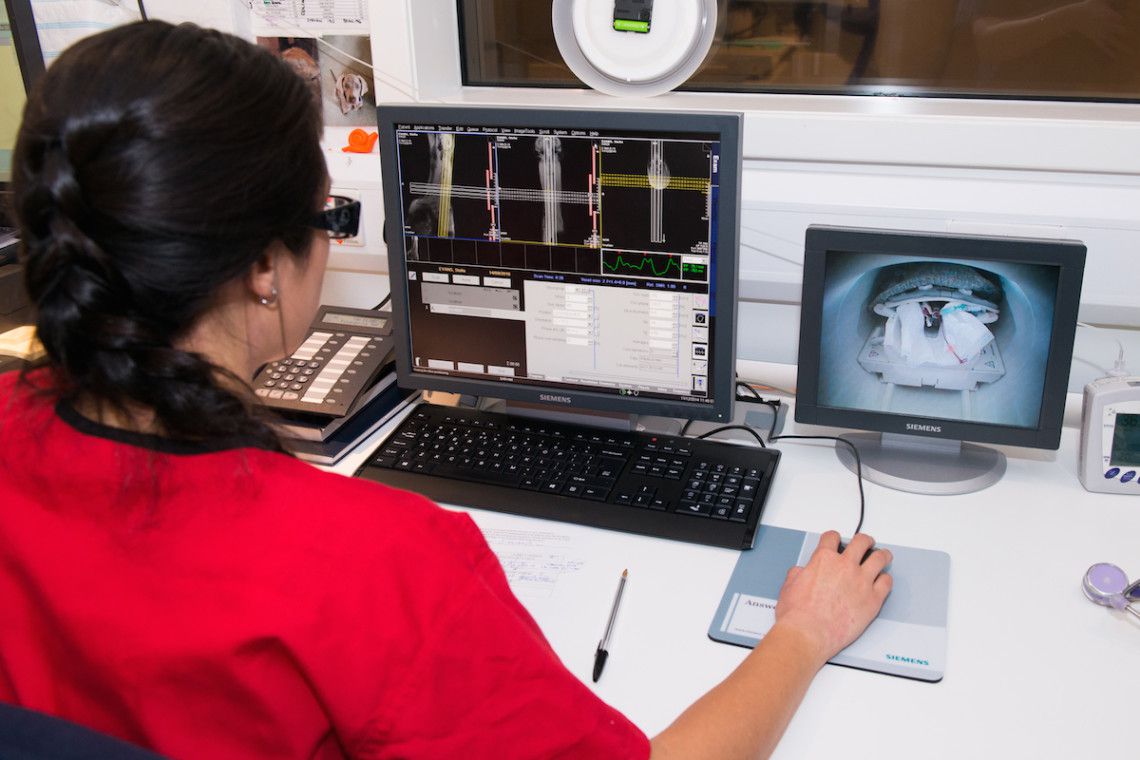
(745, 428)
(858, 465)
(771, 438)
(774, 404)
(383, 303)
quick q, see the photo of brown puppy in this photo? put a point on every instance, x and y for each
(301, 55)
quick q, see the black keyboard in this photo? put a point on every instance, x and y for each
(701, 491)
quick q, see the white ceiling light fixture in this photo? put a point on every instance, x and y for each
(651, 58)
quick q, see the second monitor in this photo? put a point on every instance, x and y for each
(936, 339)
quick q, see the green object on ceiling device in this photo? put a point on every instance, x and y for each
(632, 15)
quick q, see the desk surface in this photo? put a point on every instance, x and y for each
(1034, 670)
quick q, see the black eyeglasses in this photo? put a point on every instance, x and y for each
(341, 217)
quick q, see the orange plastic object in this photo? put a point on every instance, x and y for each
(360, 141)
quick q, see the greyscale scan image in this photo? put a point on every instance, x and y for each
(562, 257)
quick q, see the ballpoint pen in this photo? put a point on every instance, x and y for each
(603, 646)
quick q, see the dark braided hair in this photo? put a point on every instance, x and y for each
(155, 164)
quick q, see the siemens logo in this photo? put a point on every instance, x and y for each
(924, 428)
(908, 660)
(555, 399)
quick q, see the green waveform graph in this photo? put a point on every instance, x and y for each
(642, 264)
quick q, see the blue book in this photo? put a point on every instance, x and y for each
(363, 423)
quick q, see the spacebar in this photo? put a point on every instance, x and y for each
(478, 476)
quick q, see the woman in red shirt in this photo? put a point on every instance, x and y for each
(168, 573)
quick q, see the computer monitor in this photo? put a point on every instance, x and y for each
(572, 259)
(935, 339)
(21, 63)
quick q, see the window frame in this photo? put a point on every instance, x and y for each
(900, 130)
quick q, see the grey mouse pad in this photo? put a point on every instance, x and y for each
(908, 638)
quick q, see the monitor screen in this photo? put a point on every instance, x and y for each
(576, 259)
(12, 103)
(20, 64)
(947, 336)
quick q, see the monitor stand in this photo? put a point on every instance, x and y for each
(923, 465)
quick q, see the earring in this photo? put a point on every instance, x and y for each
(272, 299)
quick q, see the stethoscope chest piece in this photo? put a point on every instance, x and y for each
(1107, 585)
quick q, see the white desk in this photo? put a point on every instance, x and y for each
(1034, 670)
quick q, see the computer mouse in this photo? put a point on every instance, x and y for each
(843, 547)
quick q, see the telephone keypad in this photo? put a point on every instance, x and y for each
(332, 367)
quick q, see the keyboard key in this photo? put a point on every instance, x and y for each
(694, 509)
(740, 511)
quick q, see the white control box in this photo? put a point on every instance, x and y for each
(1110, 436)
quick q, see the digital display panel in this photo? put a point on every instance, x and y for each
(353, 320)
(1126, 440)
(955, 339)
(562, 258)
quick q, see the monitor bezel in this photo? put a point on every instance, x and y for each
(30, 59)
(728, 126)
(1068, 255)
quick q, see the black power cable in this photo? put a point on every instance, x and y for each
(775, 404)
(858, 465)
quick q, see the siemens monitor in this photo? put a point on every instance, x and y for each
(932, 340)
(571, 259)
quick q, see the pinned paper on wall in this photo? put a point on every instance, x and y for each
(63, 22)
(311, 17)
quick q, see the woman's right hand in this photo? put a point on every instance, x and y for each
(830, 601)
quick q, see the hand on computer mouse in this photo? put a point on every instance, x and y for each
(832, 599)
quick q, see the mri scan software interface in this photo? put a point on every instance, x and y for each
(561, 256)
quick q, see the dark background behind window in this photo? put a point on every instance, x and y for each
(1014, 49)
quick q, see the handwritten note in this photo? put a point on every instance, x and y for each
(314, 17)
(534, 560)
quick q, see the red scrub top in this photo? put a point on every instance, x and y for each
(229, 602)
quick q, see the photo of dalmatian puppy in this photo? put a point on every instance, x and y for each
(350, 89)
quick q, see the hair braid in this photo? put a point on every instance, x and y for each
(139, 192)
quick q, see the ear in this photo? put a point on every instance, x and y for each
(261, 279)
(363, 86)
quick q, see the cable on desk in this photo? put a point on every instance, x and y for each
(858, 465)
(383, 303)
(746, 428)
(741, 384)
(776, 404)
(767, 387)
